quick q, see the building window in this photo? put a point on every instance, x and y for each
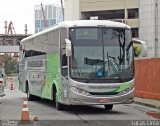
(49, 12)
(36, 30)
(43, 24)
(36, 14)
(37, 24)
(133, 13)
(60, 13)
(105, 15)
(135, 32)
(52, 22)
(54, 12)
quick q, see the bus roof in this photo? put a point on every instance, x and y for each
(81, 23)
(92, 23)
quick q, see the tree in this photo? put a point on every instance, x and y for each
(9, 63)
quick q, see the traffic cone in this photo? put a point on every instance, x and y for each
(25, 113)
(11, 86)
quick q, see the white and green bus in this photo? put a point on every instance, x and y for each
(85, 62)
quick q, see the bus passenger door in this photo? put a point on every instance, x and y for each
(64, 64)
(64, 72)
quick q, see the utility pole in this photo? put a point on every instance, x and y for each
(62, 9)
(5, 27)
(44, 18)
(25, 29)
(156, 28)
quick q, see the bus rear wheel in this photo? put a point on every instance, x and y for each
(30, 97)
(108, 107)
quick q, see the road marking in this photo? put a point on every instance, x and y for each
(154, 114)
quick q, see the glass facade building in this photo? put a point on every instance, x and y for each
(52, 15)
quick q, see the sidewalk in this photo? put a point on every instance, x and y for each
(148, 102)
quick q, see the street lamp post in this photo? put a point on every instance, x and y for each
(156, 28)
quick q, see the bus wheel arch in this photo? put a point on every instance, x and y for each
(54, 90)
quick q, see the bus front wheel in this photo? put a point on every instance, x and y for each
(59, 106)
(108, 107)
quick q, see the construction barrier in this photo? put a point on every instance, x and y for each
(147, 78)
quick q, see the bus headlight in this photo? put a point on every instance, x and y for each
(126, 90)
(79, 90)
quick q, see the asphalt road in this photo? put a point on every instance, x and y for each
(121, 115)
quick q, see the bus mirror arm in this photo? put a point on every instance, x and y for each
(68, 47)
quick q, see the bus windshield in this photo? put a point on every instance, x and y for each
(101, 53)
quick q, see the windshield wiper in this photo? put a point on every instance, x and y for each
(111, 65)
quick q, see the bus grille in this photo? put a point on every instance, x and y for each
(104, 93)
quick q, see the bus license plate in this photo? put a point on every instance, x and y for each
(104, 100)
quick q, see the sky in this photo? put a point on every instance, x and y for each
(20, 12)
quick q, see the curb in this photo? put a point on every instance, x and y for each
(146, 104)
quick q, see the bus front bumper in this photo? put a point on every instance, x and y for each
(79, 99)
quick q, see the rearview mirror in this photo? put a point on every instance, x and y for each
(68, 47)
(140, 48)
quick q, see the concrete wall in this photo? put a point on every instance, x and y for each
(92, 5)
(101, 5)
(147, 82)
(74, 8)
(71, 10)
(149, 15)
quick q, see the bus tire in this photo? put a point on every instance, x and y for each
(59, 106)
(108, 107)
(30, 97)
